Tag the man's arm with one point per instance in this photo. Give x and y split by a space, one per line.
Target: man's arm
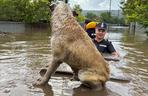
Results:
112 50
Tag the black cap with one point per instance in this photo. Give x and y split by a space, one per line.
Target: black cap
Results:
102 26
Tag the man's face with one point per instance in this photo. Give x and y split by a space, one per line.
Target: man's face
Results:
100 33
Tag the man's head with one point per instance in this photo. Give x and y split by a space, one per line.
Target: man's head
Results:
101 30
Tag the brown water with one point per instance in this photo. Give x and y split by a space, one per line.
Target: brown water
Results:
23 54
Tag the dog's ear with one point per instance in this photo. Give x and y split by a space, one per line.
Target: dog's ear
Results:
75 14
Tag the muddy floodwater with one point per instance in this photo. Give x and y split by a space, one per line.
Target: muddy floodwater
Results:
23 54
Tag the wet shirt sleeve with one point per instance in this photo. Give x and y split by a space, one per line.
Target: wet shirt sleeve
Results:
110 47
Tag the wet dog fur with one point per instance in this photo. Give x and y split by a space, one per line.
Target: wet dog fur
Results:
71 44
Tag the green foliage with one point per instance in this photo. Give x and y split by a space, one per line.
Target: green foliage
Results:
29 11
105 17
108 18
136 11
37 11
80 17
93 17
77 8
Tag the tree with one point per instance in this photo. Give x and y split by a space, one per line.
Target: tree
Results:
105 16
108 18
37 11
78 9
136 11
92 16
28 11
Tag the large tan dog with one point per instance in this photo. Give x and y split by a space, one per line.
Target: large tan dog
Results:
71 44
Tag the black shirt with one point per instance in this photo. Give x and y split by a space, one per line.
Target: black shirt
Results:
104 46
91 32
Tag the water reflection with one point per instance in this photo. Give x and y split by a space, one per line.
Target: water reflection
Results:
79 91
82 91
47 89
23 54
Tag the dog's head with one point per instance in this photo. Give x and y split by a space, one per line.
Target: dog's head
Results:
53 4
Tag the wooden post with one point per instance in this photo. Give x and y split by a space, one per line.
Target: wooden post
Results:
132 27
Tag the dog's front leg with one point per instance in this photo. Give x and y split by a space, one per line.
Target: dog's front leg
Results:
50 70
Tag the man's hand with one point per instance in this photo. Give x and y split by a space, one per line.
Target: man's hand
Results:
115 54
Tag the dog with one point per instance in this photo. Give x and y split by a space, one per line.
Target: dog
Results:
71 44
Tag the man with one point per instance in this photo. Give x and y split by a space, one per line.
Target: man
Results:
104 46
